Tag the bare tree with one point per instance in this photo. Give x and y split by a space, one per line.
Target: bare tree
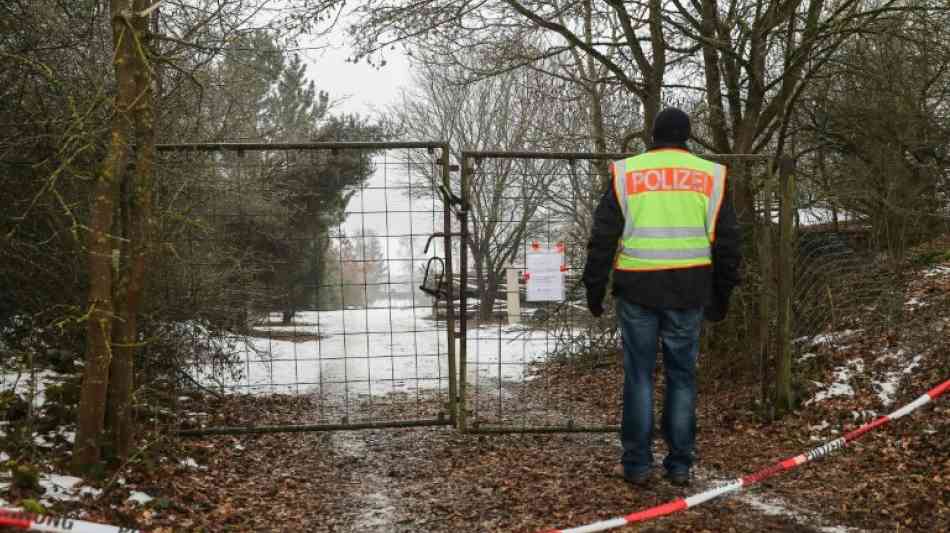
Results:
498 113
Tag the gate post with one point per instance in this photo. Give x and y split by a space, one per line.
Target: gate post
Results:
449 311
763 245
785 270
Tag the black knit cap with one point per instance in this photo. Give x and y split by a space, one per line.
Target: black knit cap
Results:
671 127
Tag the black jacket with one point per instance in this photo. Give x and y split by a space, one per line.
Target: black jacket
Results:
683 288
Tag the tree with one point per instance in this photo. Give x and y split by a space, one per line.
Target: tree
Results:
132 124
363 270
77 157
875 131
499 113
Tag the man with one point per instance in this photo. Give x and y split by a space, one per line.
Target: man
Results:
677 260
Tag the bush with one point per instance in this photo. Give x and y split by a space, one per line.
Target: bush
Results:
26 477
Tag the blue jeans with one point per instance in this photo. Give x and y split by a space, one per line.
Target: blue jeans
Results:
678 331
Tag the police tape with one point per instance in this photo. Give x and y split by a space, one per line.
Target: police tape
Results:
16 519
751 479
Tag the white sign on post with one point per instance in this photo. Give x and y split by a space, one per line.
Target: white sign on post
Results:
544 274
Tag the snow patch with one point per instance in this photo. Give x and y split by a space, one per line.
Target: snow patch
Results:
828 338
374 351
817 429
23 384
938 270
841 386
774 506
65 488
139 498
887 388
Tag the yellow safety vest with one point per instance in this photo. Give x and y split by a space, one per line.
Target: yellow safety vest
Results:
670 200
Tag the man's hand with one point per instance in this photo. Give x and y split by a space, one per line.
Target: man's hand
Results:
595 302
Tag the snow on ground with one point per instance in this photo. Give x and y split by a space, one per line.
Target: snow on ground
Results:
774 506
841 386
818 430
938 270
371 352
139 497
59 488
829 338
25 386
887 388
191 463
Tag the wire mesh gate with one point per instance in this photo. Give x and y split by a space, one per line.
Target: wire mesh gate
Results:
521 361
295 273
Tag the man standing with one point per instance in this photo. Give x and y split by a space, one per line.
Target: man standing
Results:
669 230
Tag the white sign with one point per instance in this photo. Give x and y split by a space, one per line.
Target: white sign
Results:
544 275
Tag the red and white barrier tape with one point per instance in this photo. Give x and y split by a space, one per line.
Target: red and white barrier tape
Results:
16 519
751 479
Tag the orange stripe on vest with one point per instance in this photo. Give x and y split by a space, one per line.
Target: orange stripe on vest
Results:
668 179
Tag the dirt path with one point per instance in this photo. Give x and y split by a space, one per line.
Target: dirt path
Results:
374 502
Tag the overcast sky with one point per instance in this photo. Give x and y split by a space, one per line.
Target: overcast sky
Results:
355 87
368 90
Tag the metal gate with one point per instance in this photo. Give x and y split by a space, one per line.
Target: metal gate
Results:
314 286
291 277
522 363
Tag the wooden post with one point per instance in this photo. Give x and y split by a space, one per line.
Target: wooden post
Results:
784 401
513 293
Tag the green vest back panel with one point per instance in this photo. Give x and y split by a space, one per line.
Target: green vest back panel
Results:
670 201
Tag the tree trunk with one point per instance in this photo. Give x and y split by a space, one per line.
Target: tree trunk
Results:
480 285
489 295
92 403
141 231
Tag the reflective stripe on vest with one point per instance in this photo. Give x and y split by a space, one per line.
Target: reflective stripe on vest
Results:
670 201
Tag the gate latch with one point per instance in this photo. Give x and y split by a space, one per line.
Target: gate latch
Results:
433 282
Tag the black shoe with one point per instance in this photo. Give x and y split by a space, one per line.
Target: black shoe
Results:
642 480
679 479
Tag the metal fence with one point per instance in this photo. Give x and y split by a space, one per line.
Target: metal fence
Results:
290 279
285 293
